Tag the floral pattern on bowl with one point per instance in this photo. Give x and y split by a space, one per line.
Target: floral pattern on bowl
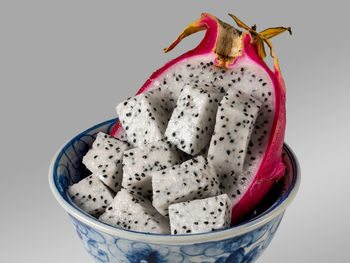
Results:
240 249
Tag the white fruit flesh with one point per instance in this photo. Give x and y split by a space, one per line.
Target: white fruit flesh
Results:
134 213
91 195
145 116
104 159
200 216
193 179
139 163
234 124
192 122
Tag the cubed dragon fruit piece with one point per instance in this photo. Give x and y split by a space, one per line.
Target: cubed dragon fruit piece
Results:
145 116
139 163
235 120
91 195
198 216
132 212
193 179
104 160
192 123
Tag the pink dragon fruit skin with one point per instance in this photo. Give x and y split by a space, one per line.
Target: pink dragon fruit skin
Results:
239 48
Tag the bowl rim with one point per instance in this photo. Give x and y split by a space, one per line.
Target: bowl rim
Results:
223 234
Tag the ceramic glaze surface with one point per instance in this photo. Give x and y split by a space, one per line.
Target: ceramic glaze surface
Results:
106 244
239 249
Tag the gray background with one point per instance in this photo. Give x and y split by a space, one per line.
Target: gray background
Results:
64 65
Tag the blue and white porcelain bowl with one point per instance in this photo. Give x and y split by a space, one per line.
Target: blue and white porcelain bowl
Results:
241 243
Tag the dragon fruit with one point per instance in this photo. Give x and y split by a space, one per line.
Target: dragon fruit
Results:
228 147
146 116
134 213
91 195
192 122
138 164
193 179
227 57
198 216
104 159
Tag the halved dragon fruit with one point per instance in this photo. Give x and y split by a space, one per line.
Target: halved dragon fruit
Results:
227 57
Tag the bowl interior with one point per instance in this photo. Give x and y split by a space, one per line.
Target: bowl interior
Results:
68 169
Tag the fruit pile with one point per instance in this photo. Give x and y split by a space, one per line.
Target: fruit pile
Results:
200 145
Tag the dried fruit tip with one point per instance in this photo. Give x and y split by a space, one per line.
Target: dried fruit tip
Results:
263 36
